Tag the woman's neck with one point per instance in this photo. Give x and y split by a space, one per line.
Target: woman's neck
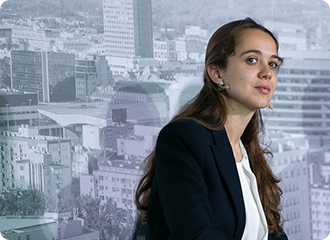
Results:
236 123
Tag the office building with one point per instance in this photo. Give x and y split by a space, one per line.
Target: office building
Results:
302 97
90 73
128 28
17 107
49 74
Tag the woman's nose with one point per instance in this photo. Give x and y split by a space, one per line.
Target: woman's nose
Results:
265 72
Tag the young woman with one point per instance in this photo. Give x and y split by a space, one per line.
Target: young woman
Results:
208 177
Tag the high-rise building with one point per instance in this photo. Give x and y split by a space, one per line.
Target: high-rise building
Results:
50 74
302 97
128 28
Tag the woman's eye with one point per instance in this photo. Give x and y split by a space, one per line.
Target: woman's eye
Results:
251 60
273 65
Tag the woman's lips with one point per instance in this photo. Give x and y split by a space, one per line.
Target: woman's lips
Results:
263 89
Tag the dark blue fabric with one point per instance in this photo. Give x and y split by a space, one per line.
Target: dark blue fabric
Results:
196 192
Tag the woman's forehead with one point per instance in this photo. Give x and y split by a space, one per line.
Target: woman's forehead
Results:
255 39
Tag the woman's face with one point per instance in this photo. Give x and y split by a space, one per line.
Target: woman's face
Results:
251 71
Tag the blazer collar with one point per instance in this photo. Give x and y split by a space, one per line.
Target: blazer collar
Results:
226 165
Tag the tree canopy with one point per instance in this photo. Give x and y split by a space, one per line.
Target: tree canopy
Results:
22 202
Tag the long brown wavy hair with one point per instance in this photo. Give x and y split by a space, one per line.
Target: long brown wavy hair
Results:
208 109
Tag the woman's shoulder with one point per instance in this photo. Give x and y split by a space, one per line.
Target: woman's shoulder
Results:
185 129
185 126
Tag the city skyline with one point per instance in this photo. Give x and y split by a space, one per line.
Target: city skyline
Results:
80 109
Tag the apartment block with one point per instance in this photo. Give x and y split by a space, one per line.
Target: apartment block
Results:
115 179
291 164
38 162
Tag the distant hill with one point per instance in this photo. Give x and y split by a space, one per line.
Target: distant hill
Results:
52 8
209 14
178 14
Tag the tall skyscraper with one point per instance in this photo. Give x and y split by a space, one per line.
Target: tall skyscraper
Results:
128 28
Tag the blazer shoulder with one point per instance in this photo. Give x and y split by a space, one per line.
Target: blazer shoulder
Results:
186 127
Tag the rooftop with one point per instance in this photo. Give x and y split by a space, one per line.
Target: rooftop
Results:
97 113
7 223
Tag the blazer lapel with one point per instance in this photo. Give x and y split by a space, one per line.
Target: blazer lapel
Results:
226 165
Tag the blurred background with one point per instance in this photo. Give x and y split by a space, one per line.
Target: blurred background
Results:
86 86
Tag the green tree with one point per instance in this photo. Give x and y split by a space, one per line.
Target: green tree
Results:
89 210
111 222
139 228
116 223
36 202
22 202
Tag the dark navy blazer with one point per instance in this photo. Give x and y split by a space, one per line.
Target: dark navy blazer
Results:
196 192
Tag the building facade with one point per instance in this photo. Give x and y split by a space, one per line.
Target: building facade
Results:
164 51
320 193
115 179
17 107
302 97
47 73
128 28
43 228
37 162
90 73
291 165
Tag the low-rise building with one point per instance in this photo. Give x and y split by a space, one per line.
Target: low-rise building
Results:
29 228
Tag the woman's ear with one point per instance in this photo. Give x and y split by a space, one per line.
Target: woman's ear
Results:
214 74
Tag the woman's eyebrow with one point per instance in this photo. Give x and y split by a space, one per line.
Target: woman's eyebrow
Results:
260 53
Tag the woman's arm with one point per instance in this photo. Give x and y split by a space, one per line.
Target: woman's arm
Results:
182 190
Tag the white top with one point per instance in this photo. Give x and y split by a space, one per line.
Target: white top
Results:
256 224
